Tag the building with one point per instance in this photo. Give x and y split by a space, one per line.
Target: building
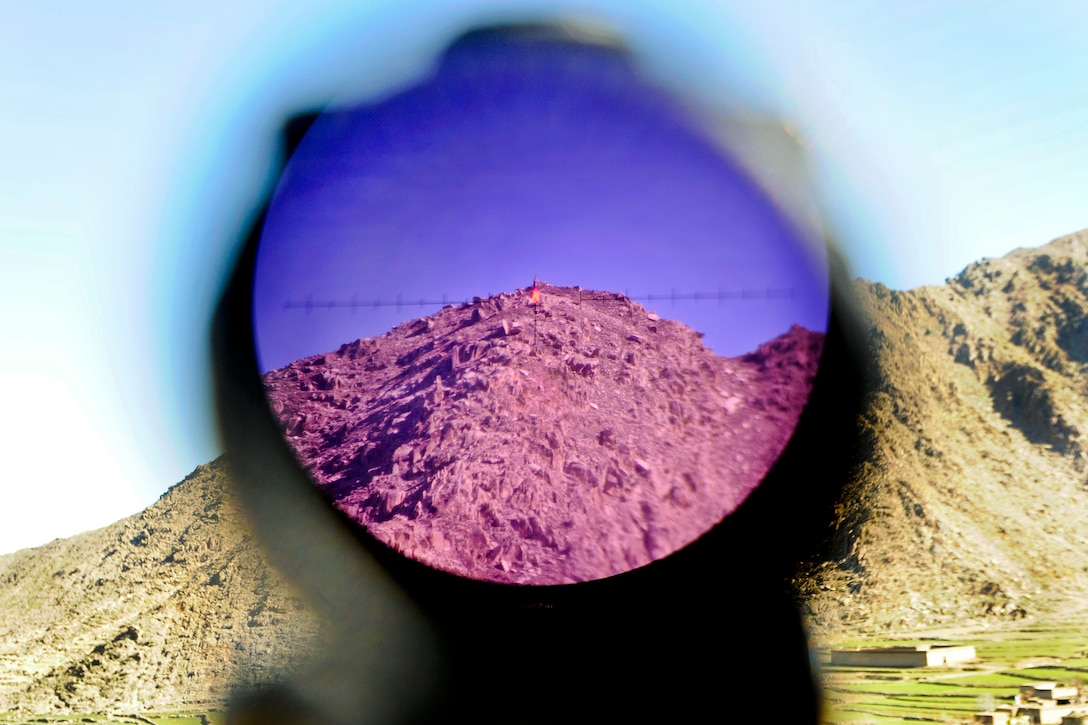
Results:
1002 716
1048 691
1039 703
922 655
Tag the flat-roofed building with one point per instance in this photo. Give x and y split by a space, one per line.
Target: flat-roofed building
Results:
921 655
1047 712
1049 691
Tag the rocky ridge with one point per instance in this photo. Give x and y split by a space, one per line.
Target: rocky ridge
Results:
967 507
541 444
174 607
970 499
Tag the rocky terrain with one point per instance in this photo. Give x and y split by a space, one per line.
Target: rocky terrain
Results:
171 608
543 443
969 505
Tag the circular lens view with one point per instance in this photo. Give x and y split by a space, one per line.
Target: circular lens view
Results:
525 322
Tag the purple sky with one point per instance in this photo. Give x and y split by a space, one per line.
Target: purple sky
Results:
555 162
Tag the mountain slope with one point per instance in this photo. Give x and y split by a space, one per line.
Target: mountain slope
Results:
968 506
172 607
969 503
542 443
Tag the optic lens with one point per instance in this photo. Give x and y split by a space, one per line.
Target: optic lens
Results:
526 322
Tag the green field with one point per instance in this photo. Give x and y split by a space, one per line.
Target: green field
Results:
1006 660
856 695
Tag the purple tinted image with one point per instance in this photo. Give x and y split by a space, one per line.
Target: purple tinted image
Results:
507 439
555 161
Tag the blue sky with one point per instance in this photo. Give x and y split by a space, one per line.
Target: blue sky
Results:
565 165
137 141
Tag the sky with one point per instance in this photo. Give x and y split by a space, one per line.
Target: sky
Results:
139 140
518 160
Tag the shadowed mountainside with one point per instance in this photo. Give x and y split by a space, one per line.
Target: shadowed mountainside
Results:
970 501
173 607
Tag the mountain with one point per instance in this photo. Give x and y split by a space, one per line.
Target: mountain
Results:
542 442
176 607
969 502
171 608
967 506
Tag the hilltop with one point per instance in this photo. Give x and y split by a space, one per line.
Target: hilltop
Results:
969 502
966 508
542 443
177 607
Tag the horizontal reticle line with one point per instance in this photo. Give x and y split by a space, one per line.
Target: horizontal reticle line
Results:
771 293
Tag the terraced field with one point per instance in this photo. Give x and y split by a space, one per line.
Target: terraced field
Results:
1006 660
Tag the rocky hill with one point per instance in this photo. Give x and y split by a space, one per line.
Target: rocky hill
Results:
967 507
171 608
544 442
970 502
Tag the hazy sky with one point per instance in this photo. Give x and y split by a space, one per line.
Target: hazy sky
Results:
137 141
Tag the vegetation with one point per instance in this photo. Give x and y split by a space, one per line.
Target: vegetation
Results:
1007 659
